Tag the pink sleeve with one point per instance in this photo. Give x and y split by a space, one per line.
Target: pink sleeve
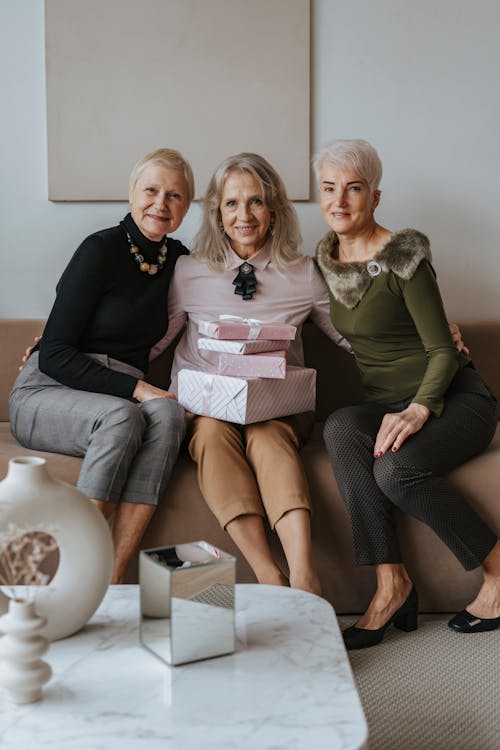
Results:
320 312
176 316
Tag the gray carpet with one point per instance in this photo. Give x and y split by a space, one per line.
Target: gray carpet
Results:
431 689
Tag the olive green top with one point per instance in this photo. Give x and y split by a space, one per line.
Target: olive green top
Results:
394 321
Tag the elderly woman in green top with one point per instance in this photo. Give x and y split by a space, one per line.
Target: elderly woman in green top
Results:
425 411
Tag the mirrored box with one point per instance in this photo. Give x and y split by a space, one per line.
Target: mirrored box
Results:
187 602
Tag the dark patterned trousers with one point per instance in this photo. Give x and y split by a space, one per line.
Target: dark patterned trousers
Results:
413 478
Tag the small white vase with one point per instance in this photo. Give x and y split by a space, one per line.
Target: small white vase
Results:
33 500
22 672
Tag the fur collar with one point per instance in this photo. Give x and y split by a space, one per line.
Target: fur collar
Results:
349 282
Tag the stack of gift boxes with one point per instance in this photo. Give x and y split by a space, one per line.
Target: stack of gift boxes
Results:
253 382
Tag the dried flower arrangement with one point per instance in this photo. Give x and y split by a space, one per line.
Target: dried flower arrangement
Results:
22 555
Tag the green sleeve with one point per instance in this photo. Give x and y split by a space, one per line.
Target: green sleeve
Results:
423 301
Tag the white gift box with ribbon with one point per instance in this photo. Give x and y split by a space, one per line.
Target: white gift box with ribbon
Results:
235 327
247 400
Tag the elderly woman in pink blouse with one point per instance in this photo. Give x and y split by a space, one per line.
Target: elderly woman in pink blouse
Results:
251 472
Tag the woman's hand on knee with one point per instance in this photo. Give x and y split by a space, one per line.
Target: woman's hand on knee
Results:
396 427
29 351
145 392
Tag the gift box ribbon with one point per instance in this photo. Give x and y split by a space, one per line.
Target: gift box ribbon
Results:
206 393
255 325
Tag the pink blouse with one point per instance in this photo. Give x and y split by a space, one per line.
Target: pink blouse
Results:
198 293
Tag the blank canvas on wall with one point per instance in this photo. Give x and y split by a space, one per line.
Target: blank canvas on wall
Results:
208 77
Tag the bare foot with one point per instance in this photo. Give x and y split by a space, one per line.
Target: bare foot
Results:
487 602
273 578
383 606
306 581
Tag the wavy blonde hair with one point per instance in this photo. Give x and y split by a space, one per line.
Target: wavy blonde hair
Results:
211 245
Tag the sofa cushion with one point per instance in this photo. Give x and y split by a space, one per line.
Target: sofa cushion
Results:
65 468
184 516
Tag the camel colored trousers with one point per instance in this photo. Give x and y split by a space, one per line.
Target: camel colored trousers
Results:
251 469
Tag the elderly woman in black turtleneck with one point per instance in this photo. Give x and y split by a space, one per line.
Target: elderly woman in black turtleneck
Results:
83 392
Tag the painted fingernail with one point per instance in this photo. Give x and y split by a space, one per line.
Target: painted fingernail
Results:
394 449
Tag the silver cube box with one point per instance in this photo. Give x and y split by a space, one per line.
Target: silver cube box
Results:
187 602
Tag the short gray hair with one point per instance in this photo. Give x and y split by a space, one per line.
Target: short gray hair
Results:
357 154
168 158
212 247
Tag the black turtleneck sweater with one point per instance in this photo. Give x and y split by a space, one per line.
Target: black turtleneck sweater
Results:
106 305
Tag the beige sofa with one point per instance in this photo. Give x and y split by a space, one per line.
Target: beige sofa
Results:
183 515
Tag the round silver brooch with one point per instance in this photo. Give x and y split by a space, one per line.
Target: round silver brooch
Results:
374 268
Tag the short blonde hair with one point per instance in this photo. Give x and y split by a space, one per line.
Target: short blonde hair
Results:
211 245
357 154
168 158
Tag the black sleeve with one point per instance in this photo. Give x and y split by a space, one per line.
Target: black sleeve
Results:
78 294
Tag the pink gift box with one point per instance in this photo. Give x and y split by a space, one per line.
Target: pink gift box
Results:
244 347
243 400
246 329
253 365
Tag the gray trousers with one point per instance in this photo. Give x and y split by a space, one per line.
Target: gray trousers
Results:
128 449
412 479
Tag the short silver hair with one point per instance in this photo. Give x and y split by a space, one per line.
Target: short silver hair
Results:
357 154
168 158
211 245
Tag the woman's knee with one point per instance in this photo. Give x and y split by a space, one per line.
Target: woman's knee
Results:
165 412
211 429
343 430
208 433
270 435
122 416
339 421
397 480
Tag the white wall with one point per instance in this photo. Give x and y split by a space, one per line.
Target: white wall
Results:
418 80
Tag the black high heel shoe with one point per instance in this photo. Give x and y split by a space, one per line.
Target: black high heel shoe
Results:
404 619
464 622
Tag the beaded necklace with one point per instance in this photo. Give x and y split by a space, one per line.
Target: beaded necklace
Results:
144 266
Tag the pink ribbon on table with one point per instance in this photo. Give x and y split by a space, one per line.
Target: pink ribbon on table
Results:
254 324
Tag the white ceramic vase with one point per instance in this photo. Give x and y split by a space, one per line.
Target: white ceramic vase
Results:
22 671
31 499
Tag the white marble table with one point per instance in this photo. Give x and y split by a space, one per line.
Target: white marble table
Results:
288 685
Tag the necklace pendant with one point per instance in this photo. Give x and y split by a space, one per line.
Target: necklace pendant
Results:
245 282
152 269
